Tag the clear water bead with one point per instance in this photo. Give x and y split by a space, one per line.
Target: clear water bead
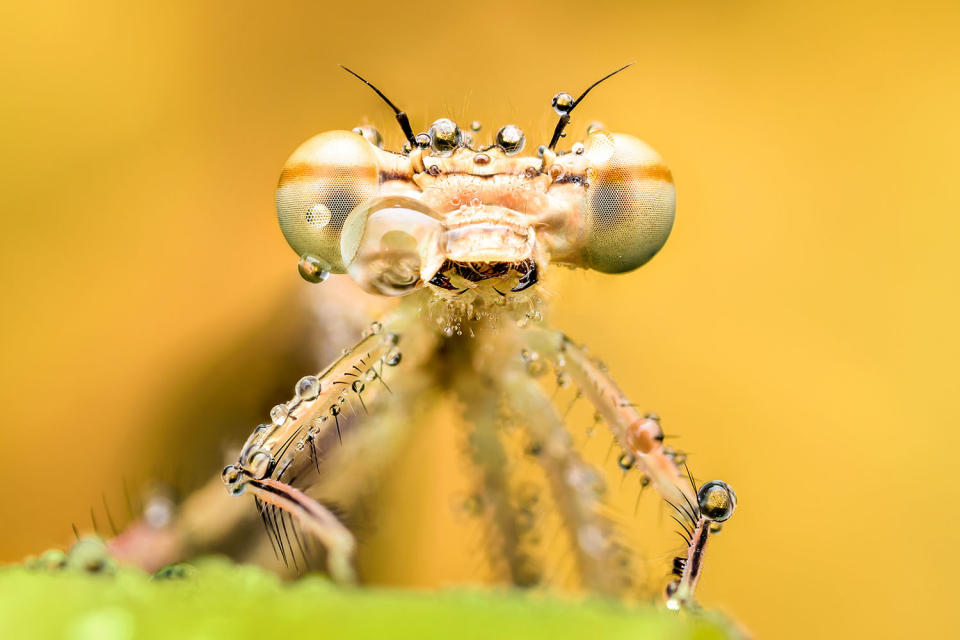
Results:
279 414
308 388
511 139
312 269
445 136
357 386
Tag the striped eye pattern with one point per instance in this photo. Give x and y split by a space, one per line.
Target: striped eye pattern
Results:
323 181
629 205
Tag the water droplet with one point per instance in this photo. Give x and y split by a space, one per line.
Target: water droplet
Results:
279 414
375 327
562 103
392 338
475 126
178 571
448 331
475 202
90 555
308 388
394 359
318 216
625 461
370 134
301 445
52 560
445 136
258 463
594 126
578 148
371 375
434 169
158 512
563 379
531 172
511 139
335 410
357 386
557 172
312 269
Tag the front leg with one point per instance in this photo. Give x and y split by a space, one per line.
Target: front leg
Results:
286 450
638 435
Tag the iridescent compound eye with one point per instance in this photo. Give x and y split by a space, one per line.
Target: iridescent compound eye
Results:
383 244
322 182
629 204
717 501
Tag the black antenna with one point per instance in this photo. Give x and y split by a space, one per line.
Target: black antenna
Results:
401 116
565 117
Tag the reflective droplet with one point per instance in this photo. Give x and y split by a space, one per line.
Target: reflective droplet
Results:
178 571
475 126
357 386
531 172
230 474
371 375
716 527
448 331
375 327
258 463
445 137
278 415
335 410
511 139
406 148
594 126
394 359
370 134
52 560
158 512
90 555
562 103
318 216
312 269
625 461
308 387
717 501
392 338
422 140
557 172
475 202
578 148
434 169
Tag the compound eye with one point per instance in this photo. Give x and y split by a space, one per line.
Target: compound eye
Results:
717 501
384 244
629 205
322 182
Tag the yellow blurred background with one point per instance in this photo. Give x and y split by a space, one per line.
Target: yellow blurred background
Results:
798 330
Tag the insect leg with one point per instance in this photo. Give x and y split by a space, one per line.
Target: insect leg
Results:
283 451
575 485
482 410
640 436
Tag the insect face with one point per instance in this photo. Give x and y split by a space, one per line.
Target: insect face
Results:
473 223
